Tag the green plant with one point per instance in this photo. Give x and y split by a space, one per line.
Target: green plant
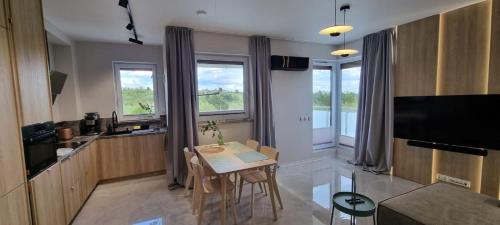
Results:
212 126
146 107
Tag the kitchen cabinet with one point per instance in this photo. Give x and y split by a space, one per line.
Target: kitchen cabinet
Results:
87 170
70 173
46 195
11 158
14 207
93 177
127 156
151 156
30 54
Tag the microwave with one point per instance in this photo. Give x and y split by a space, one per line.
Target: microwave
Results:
40 147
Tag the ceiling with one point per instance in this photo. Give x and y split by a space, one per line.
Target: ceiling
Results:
298 20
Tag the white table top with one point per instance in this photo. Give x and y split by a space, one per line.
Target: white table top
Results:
227 162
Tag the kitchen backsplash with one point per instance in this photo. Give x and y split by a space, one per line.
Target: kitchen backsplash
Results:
153 123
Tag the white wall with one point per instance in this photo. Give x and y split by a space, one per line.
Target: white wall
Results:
66 107
95 72
292 93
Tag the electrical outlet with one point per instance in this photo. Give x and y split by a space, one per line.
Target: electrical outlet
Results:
453 180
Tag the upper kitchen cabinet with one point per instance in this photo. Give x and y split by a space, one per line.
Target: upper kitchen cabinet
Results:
11 159
30 53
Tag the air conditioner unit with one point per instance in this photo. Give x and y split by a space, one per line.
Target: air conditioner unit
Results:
289 63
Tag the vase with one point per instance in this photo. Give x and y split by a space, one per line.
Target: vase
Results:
220 139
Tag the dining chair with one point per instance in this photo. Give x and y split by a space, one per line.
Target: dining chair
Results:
190 176
206 186
258 176
253 144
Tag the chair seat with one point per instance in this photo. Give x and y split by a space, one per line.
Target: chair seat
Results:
214 185
253 176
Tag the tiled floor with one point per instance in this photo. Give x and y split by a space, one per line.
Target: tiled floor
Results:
305 188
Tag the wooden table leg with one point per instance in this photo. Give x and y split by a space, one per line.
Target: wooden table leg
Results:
271 191
223 181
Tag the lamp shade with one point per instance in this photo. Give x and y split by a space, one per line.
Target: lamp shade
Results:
336 30
344 52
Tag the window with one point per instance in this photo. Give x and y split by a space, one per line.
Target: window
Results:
136 92
351 73
322 97
222 87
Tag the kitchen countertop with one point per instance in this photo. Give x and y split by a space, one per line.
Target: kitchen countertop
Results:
103 135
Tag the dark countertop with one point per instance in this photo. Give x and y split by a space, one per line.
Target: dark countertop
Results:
103 135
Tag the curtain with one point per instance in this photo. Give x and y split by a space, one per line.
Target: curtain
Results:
182 100
263 123
373 142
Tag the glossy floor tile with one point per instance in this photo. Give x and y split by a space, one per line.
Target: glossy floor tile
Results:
306 189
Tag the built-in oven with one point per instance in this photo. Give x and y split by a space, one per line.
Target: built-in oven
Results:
40 150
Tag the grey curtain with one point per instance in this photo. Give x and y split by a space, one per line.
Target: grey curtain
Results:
182 100
373 143
263 123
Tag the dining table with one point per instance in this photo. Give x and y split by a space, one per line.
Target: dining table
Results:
233 157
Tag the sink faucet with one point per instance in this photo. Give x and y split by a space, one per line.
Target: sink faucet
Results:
114 120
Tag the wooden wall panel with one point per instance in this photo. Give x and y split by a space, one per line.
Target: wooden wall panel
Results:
463 70
494 77
2 14
490 182
29 47
464 57
415 75
416 57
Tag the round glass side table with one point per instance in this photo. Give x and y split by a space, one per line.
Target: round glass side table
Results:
364 208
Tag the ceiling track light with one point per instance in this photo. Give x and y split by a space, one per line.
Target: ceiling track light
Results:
123 3
130 25
336 30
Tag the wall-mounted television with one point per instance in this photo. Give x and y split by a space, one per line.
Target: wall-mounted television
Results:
461 121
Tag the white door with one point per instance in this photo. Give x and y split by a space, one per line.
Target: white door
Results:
349 95
323 127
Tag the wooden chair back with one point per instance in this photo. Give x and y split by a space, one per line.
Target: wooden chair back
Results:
188 155
253 144
270 152
199 173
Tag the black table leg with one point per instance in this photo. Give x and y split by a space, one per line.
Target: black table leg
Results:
331 217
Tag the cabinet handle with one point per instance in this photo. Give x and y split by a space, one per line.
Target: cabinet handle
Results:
72 188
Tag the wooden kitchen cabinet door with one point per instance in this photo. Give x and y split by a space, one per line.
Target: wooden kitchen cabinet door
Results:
83 172
151 155
71 187
30 53
117 157
11 158
93 177
46 194
14 207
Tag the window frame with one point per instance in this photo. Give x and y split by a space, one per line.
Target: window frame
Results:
117 66
229 114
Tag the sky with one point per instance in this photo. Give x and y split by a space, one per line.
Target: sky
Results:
350 80
136 78
227 77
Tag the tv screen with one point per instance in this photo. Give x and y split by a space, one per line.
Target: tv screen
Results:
467 120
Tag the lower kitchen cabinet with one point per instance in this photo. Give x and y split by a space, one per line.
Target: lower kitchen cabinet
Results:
46 195
127 156
70 173
14 207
